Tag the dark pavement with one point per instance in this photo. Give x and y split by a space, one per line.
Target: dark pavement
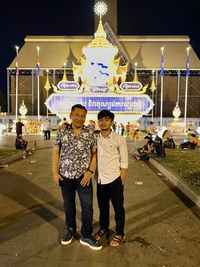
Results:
162 225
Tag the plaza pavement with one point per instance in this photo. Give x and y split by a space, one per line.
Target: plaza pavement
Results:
162 225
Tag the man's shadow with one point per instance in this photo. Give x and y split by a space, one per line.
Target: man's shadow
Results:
33 199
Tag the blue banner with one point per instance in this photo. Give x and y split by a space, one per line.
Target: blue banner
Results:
58 103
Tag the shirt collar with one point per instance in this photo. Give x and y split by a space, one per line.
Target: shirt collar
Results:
84 128
108 136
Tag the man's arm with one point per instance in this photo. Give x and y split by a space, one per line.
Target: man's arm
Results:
123 159
89 173
93 161
55 163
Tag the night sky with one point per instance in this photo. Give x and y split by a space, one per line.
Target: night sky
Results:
21 18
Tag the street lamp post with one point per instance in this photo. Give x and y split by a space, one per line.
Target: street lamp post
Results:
186 84
161 88
16 82
152 88
47 87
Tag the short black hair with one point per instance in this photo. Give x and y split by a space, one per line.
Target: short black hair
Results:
164 133
78 106
106 113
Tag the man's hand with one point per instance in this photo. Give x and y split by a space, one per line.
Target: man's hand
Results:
56 178
86 178
122 175
122 178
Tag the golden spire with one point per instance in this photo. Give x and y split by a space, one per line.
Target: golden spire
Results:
135 78
100 30
100 39
153 86
64 78
47 84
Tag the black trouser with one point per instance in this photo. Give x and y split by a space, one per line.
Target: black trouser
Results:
69 188
114 192
47 135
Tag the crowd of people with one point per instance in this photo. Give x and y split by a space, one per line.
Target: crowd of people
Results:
156 141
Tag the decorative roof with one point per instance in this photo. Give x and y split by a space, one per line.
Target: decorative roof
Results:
145 50
100 39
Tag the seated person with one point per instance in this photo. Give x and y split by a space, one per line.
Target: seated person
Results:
147 149
190 130
159 148
151 129
20 143
137 135
193 140
190 143
168 141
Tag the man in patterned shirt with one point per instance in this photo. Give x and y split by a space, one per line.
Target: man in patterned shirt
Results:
74 161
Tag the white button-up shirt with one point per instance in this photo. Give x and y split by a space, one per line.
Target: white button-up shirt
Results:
111 156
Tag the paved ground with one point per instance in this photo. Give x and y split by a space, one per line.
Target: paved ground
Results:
162 226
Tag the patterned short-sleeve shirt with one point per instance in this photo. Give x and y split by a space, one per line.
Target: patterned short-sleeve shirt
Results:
75 151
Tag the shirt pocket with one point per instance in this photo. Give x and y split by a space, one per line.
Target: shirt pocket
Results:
111 149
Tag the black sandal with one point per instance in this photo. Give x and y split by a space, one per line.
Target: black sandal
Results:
117 240
100 233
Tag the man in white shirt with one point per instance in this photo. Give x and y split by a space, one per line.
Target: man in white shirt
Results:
47 129
112 162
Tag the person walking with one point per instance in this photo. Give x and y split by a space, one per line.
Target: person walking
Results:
112 162
47 129
74 161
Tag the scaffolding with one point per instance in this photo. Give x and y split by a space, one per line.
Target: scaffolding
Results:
172 77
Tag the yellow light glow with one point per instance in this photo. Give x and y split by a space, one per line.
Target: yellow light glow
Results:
188 50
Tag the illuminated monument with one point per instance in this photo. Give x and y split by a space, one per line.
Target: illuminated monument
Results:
99 69
76 54
100 82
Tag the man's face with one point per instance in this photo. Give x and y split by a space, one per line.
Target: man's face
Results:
105 123
78 117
